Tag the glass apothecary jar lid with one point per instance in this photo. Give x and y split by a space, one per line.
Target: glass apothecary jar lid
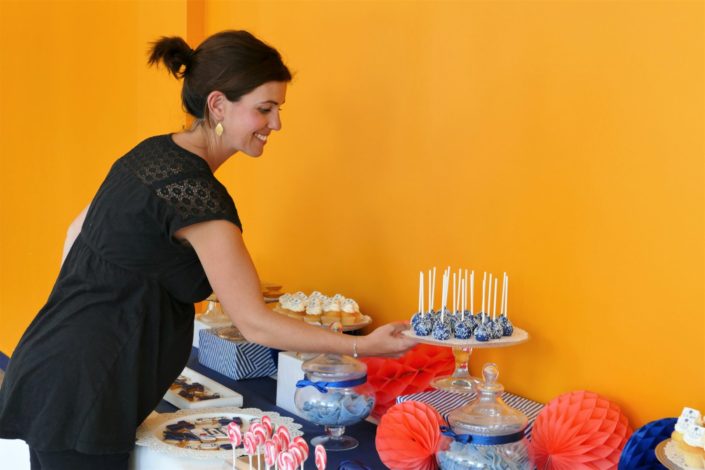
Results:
334 368
488 415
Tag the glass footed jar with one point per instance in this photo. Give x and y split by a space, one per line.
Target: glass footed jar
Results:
486 433
334 394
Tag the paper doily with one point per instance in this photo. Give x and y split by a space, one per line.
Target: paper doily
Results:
150 432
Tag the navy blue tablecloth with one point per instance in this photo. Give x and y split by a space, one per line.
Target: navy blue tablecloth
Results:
261 393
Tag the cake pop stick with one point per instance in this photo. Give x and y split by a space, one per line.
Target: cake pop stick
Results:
506 299
430 307
489 296
455 287
421 292
494 304
484 280
433 290
444 303
472 292
504 289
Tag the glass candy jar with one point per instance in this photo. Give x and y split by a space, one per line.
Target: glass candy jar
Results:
486 433
334 394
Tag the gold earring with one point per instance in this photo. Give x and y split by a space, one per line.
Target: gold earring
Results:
219 129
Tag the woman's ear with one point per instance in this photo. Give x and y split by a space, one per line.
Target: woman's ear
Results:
216 101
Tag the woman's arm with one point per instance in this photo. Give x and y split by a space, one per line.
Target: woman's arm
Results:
232 275
72 232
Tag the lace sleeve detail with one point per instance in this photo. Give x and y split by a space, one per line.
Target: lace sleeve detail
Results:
196 199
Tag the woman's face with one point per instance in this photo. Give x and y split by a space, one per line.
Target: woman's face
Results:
248 122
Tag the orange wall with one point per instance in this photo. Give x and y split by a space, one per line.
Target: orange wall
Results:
75 93
560 142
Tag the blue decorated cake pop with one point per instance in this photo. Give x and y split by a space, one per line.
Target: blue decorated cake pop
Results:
463 329
507 327
441 331
497 329
482 333
423 327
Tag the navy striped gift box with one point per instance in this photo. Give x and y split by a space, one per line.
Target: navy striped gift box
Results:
237 360
445 402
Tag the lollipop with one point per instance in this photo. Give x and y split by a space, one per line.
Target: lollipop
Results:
301 443
235 436
284 437
321 457
270 453
259 430
267 423
249 442
298 455
286 461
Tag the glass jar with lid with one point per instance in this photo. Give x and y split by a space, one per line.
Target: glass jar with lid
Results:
486 433
334 394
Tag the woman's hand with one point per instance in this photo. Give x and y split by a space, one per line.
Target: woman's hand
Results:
387 341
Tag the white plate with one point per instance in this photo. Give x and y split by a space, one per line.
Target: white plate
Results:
151 432
227 396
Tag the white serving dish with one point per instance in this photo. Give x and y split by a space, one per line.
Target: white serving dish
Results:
151 432
227 397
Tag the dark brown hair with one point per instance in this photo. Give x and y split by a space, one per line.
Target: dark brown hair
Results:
233 62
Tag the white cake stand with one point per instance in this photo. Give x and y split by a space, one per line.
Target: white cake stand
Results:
461 381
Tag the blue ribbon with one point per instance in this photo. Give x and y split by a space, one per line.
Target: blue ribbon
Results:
323 386
482 440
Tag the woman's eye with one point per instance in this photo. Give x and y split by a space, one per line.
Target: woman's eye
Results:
265 110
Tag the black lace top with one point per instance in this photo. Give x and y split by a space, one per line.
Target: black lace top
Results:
117 327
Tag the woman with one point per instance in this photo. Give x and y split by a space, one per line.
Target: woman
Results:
160 234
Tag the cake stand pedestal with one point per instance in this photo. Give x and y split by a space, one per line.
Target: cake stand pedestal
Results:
461 381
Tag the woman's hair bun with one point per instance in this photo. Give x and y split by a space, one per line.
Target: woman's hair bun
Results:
173 52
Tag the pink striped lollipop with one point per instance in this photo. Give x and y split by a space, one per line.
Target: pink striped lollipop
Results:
298 455
286 461
267 423
321 457
260 433
249 442
234 434
277 441
302 445
284 436
270 453
235 437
